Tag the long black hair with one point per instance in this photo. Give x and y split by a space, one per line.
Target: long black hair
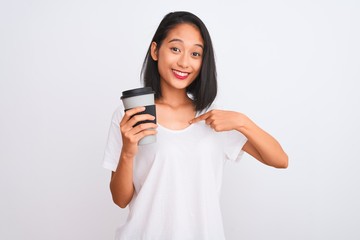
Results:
204 88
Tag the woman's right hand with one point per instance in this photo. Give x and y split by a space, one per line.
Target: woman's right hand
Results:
131 135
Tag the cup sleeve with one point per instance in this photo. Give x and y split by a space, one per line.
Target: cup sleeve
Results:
114 141
234 142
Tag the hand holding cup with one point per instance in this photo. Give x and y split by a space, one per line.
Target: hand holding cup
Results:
140 115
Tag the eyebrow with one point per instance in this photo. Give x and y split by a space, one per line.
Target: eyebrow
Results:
179 40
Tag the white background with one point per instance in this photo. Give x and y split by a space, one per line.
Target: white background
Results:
291 66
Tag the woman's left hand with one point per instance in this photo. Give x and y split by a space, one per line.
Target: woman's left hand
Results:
221 120
260 144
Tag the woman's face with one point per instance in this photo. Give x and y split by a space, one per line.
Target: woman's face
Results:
179 56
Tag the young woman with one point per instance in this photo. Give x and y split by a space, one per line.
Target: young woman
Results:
172 186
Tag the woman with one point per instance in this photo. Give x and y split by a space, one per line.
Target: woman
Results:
173 186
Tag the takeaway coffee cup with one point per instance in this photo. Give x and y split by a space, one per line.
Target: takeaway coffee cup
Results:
141 97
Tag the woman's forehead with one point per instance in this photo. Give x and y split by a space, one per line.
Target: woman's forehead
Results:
185 33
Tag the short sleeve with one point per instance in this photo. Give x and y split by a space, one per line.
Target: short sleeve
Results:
234 143
114 141
233 140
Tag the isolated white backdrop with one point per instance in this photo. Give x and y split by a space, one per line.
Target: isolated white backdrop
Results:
292 66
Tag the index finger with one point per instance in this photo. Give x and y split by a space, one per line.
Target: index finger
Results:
200 118
129 113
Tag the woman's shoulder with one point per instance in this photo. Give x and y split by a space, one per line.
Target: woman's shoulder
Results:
213 106
118 113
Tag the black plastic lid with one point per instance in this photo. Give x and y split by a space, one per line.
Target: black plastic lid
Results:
136 92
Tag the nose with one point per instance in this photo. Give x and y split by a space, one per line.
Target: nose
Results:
183 61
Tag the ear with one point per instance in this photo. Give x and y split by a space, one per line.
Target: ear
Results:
154 51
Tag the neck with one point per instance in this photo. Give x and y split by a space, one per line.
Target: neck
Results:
173 97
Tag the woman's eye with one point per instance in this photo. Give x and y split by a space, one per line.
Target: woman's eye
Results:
196 54
175 49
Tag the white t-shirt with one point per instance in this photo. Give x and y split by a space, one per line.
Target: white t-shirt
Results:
177 181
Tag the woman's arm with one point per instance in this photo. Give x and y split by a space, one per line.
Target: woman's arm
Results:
121 184
260 144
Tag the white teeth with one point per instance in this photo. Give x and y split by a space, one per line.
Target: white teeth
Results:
181 73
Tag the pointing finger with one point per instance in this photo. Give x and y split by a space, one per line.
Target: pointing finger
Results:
200 118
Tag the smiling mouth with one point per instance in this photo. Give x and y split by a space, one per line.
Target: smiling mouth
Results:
180 75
